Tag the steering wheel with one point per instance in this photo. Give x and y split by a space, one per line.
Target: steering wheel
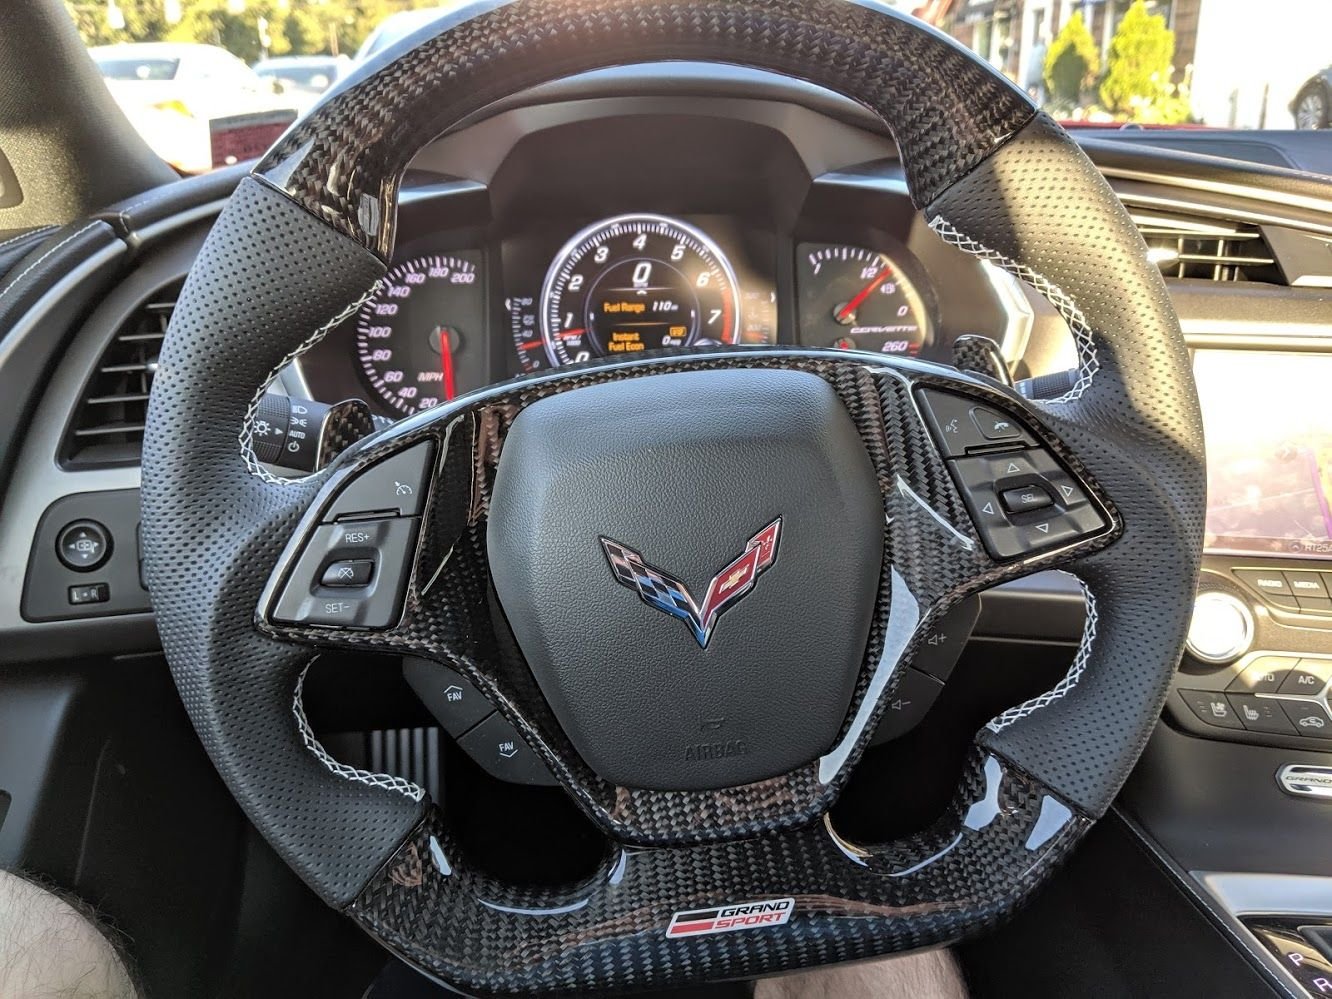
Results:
851 501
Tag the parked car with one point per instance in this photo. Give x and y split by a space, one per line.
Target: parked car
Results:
303 79
398 26
197 106
1310 106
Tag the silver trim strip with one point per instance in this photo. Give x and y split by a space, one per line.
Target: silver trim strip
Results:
1305 780
1269 894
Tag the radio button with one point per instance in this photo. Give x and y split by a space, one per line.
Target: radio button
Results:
1271 584
1264 675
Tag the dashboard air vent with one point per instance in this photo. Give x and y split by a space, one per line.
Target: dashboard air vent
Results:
1207 249
107 426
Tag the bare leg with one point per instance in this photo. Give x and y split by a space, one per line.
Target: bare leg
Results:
49 948
932 974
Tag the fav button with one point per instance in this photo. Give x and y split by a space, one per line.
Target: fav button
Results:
502 753
1212 708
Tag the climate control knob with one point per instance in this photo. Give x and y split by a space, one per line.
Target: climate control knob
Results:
1221 629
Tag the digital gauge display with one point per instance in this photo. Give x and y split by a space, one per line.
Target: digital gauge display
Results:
636 283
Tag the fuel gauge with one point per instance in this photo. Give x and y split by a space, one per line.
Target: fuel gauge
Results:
855 298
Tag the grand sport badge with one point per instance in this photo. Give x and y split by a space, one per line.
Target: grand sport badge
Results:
729 918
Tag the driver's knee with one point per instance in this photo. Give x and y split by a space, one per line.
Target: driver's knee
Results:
49 947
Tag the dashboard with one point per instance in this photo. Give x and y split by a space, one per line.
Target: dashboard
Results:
707 235
701 207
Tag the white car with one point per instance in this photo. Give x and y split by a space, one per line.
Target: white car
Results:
198 106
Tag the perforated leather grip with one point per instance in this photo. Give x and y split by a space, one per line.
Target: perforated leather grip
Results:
281 266
1040 208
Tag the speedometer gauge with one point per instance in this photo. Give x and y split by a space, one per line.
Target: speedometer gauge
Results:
636 283
413 336
858 299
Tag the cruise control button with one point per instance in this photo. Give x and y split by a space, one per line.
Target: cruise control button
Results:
1310 718
388 543
1211 707
1026 498
447 694
502 753
1261 714
348 572
393 487
1307 678
1271 584
999 428
1263 675
83 545
914 695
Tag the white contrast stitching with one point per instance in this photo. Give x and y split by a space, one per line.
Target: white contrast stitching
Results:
27 235
24 273
387 782
1088 364
1070 679
246 438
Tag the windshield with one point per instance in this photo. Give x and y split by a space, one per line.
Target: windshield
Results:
1174 69
114 68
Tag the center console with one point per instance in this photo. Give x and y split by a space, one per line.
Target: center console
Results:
1243 815
1259 661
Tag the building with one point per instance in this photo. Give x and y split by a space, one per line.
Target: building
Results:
1244 61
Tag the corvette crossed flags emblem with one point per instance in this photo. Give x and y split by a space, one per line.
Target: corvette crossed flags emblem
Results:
669 595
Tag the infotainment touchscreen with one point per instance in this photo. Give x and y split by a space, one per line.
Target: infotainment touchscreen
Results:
1268 418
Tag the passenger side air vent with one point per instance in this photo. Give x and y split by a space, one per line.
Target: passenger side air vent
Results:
107 426
1207 249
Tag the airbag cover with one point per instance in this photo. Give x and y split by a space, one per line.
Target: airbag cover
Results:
684 470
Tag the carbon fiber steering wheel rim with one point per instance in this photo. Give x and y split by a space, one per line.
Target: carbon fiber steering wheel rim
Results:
993 177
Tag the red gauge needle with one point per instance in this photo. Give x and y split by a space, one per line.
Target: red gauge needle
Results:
566 334
446 363
848 310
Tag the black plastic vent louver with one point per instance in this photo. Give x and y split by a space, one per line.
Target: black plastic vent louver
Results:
107 427
1207 249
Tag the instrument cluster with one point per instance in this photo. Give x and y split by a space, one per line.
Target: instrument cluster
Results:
442 323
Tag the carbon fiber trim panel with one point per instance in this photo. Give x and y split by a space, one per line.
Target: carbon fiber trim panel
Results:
343 163
933 558
1002 837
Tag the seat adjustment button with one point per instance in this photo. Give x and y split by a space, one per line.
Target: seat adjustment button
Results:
1212 708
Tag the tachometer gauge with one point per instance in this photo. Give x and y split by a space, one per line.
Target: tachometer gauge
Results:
413 334
636 283
857 299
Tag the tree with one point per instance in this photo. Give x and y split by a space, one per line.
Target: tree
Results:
1071 63
301 27
1139 66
